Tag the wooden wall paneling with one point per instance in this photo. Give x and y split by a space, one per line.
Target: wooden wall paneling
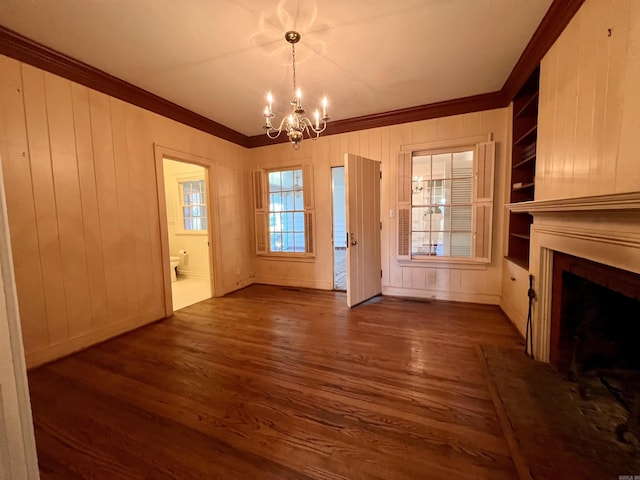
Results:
25 247
143 189
45 203
108 205
125 203
628 173
619 25
586 102
68 200
597 167
89 201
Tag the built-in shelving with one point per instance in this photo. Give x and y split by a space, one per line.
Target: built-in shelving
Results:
523 167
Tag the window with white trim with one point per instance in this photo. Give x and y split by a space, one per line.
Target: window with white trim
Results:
284 213
445 203
193 205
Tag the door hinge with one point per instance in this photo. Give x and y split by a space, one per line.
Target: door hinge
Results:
380 175
380 225
380 273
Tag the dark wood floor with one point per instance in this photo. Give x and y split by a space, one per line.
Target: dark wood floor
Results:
277 383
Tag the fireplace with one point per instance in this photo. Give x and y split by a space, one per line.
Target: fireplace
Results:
595 316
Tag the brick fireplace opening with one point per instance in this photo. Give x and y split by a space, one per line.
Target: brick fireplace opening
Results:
595 316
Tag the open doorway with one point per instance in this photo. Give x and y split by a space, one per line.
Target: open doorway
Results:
339 229
187 198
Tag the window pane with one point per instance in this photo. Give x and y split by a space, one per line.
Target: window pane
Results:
274 222
275 183
275 202
463 164
461 244
288 242
299 242
298 222
440 166
275 242
187 224
299 200
204 223
462 190
287 180
287 222
419 219
297 179
288 201
195 224
420 243
461 219
195 211
186 187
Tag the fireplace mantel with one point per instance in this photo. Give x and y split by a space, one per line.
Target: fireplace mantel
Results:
617 201
601 228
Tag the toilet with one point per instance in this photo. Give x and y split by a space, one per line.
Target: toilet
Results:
174 261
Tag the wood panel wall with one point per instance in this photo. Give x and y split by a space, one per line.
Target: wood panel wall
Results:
84 213
589 111
453 281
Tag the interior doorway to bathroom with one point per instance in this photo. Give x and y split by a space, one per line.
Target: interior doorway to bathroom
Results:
339 229
187 200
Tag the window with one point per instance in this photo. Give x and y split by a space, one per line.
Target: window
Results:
284 214
445 201
441 203
193 198
286 211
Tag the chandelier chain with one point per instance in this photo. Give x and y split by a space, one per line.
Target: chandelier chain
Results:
293 56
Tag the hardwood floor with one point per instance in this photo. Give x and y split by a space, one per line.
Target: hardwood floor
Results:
280 383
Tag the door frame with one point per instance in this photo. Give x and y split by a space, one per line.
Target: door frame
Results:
333 246
213 231
18 456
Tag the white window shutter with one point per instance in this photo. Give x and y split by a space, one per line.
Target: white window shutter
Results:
260 214
309 231
403 214
307 186
404 177
482 227
484 167
484 179
261 232
259 196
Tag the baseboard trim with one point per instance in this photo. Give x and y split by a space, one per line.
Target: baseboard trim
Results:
75 344
483 298
293 282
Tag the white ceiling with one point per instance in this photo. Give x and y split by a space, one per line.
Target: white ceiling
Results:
218 58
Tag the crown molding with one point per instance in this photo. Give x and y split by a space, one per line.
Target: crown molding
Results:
25 50
551 26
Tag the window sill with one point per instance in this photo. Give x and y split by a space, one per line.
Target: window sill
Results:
201 233
446 262
288 257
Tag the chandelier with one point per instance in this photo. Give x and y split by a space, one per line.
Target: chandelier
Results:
295 124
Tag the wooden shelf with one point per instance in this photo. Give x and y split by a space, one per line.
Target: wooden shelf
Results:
524 186
529 108
526 136
523 167
525 161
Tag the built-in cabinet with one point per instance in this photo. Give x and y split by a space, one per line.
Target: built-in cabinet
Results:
523 167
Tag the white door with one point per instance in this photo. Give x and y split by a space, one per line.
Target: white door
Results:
17 443
362 180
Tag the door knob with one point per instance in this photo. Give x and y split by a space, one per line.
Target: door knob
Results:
353 240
